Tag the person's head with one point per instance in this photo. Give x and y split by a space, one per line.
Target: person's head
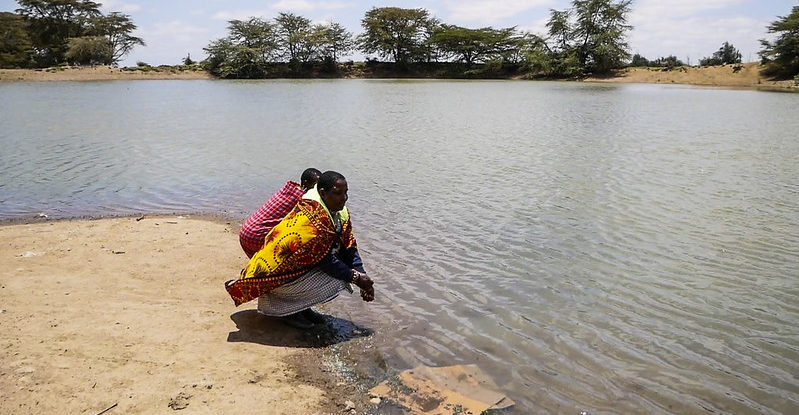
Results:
309 178
333 189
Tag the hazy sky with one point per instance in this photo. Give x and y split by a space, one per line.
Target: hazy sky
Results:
689 29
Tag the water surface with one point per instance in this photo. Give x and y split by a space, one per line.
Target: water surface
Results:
607 248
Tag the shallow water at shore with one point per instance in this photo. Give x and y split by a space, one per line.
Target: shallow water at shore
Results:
607 248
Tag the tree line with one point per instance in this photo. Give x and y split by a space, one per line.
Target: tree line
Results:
45 33
255 46
726 55
589 38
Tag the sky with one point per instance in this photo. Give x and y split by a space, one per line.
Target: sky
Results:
688 29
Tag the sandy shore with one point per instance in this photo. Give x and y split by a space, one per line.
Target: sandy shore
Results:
131 314
747 76
728 76
97 73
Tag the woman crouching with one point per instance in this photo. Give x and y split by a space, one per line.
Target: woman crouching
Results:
307 259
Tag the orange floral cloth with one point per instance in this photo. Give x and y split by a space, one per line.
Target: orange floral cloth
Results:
293 247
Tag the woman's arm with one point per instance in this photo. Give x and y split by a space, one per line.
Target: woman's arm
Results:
353 272
336 268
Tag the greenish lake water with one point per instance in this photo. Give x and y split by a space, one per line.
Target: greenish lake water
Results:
602 248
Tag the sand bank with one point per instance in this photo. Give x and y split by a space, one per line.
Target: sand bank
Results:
97 73
131 314
747 75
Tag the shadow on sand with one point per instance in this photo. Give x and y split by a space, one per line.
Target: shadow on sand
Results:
254 327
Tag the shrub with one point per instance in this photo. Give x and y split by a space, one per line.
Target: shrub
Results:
639 60
89 50
668 63
726 54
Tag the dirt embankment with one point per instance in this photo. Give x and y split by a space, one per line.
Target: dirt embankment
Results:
99 73
747 75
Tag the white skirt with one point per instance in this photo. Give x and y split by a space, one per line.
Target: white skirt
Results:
312 288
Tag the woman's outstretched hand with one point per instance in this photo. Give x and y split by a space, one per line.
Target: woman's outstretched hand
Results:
362 281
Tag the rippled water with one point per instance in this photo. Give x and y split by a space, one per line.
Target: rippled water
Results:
601 248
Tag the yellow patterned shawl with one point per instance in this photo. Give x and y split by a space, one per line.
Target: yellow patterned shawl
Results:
294 246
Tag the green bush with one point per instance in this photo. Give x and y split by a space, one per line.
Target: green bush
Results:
493 67
781 56
796 80
89 50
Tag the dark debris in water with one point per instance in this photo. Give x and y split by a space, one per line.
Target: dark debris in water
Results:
337 330
254 327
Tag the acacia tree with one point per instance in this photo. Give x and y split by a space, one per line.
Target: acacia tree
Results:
255 47
15 43
246 52
319 42
600 31
295 37
781 56
336 41
51 23
519 45
89 50
398 34
117 28
537 57
559 29
472 45
73 30
555 56
588 38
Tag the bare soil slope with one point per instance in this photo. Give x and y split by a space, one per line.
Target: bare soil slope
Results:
737 76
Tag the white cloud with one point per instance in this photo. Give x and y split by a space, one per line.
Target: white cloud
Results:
169 42
307 6
177 31
119 6
692 30
239 14
488 12
670 9
537 27
295 6
697 37
325 19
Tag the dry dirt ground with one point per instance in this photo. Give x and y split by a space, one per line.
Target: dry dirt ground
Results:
97 73
747 75
131 314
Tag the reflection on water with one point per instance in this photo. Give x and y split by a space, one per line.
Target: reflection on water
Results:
614 249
